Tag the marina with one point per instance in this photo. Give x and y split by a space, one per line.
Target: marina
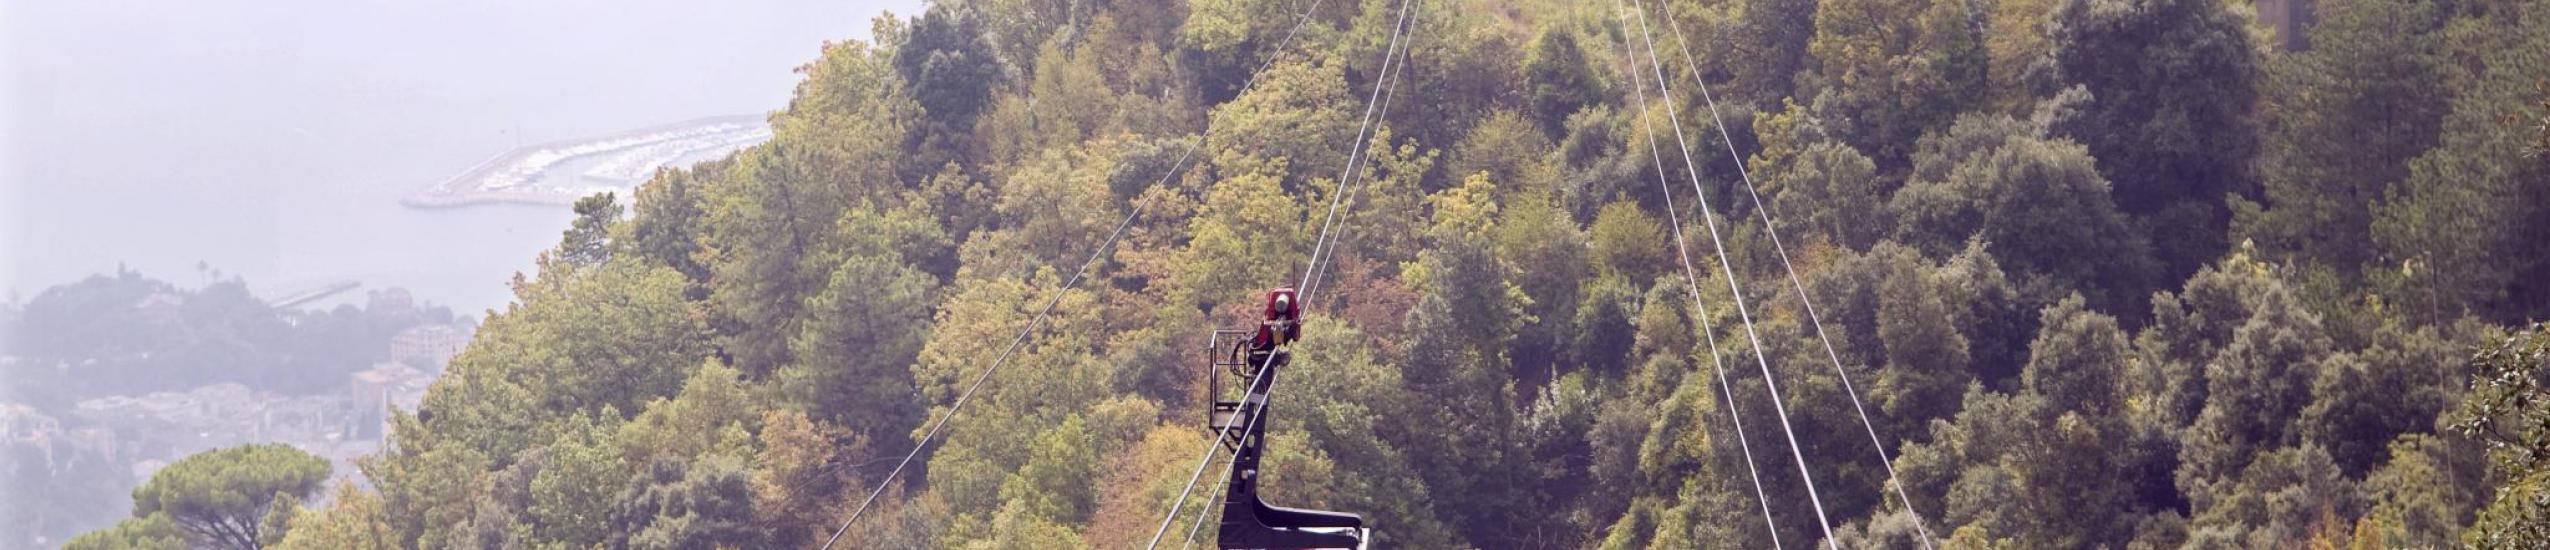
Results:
560 172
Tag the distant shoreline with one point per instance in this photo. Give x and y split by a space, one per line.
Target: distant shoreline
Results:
471 187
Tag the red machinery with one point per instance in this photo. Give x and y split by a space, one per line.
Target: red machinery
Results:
1247 521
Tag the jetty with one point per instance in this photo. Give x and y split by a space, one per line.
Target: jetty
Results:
559 172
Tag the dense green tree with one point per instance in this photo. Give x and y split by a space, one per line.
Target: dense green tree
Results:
2186 331
496 517
1379 224
1686 458
1606 327
1466 66
2255 386
2062 442
1547 255
1505 147
1018 28
757 235
1016 528
1988 311
1562 80
854 354
577 341
1553 429
1974 497
1056 207
677 503
153 532
2174 87
2285 497
1667 338
2039 206
2018 53
2365 399
769 216
1589 145
949 65
1224 41
1291 126
960 204
2078 360
2346 117
1134 494
1070 99
795 485
1892 70
278 520
351 520
221 498
2013 465
1628 243
566 499
428 484
2464 231
2504 412
1465 318
1973 135
2424 494
1831 191
710 416
588 240
1928 361
978 320
1770 48
665 225
1056 372
1051 484
1248 234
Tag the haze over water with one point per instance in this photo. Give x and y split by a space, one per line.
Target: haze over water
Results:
271 140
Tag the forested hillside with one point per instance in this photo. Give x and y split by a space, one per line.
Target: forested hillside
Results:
131 334
2097 273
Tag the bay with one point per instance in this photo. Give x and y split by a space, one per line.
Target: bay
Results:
272 140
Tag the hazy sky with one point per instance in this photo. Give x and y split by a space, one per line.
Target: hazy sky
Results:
271 139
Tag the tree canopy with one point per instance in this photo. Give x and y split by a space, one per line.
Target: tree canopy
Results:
2099 273
238 497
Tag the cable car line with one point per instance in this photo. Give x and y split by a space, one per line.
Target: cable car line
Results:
1795 283
1743 313
1691 281
1317 271
1356 155
1323 251
1318 263
1254 393
1046 311
1191 530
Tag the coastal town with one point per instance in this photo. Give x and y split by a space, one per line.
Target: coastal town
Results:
145 432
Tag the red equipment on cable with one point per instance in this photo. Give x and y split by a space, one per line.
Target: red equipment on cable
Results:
1247 521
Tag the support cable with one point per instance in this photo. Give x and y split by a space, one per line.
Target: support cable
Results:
1316 265
1077 275
1744 314
1794 282
1398 32
1199 517
1691 280
1357 153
